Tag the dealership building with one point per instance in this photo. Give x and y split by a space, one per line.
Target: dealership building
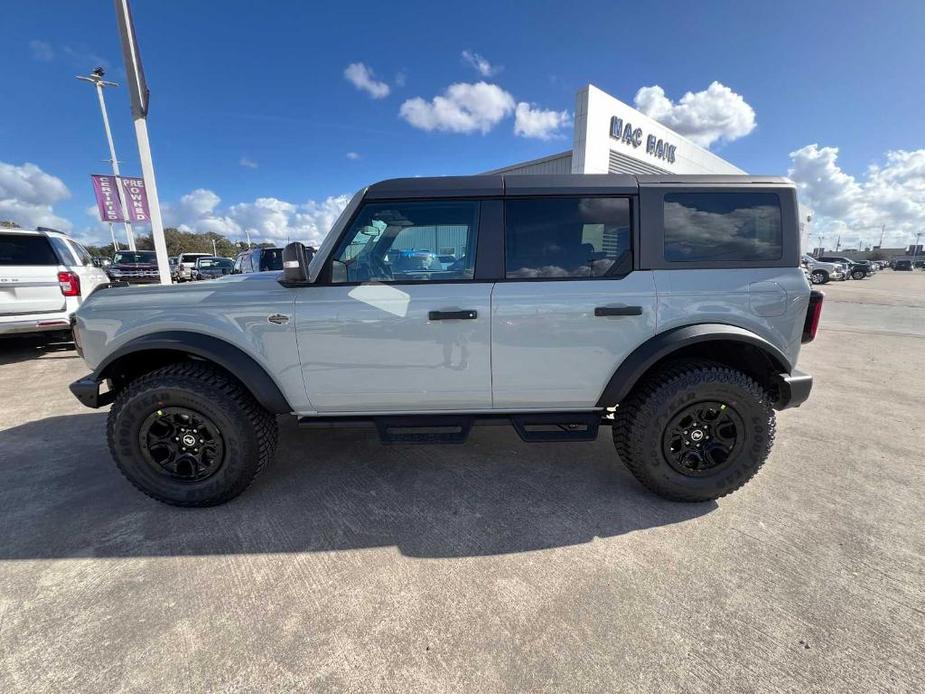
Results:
613 137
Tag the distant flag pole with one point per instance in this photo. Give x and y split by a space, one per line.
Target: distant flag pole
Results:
139 94
115 246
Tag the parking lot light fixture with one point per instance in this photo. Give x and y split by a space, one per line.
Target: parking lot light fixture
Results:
96 78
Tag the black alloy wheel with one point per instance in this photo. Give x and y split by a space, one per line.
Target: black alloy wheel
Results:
181 443
702 438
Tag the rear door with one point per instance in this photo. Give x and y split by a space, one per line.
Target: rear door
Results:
28 275
90 276
570 307
378 334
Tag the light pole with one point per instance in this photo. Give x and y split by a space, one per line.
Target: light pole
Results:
915 248
96 78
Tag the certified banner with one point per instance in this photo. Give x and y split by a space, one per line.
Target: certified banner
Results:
136 200
107 198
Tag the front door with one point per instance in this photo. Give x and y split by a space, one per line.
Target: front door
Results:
398 323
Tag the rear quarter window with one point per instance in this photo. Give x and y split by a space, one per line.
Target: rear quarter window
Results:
26 249
722 227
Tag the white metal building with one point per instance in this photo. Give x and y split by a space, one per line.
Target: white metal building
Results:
613 137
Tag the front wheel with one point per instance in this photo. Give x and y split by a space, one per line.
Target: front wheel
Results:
818 277
858 275
189 435
695 430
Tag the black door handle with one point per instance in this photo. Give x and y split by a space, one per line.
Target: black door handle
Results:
452 315
618 311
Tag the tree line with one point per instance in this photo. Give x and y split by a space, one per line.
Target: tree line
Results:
183 242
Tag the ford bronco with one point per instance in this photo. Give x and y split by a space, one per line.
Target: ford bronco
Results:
671 309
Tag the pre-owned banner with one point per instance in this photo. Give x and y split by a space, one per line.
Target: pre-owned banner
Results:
107 198
136 200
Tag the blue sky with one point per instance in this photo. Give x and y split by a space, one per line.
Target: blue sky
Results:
250 100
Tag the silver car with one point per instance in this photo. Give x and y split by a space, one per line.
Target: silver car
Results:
670 309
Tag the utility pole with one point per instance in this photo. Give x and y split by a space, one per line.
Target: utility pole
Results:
96 78
837 243
882 230
214 252
115 246
915 248
139 98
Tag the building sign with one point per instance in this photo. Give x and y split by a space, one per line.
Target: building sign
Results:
136 200
107 199
627 134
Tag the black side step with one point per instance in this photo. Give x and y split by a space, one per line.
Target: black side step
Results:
557 426
424 429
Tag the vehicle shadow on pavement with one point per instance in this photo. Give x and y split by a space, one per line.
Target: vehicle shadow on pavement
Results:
18 349
62 496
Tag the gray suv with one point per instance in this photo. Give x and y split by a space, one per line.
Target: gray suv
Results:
671 309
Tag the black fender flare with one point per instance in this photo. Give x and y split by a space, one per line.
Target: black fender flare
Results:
226 355
663 344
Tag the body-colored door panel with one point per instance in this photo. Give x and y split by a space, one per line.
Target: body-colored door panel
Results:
374 348
550 350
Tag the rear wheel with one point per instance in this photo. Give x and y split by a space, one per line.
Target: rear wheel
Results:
190 435
818 277
695 430
858 275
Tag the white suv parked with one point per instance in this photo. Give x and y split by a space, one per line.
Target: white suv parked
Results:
44 275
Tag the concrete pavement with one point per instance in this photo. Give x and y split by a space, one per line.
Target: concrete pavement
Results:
492 566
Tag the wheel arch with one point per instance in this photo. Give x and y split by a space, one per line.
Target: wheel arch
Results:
726 344
152 351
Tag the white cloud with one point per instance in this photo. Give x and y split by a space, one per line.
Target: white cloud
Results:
264 219
716 114
27 196
463 108
247 163
353 156
400 79
42 51
84 58
362 78
480 63
532 121
891 194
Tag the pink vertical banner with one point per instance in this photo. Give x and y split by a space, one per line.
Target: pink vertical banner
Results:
107 198
136 200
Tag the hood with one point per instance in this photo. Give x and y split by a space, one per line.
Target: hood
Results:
189 293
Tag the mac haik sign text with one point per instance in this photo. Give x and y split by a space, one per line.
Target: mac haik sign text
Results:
627 134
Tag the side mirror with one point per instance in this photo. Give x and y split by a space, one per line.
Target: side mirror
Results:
295 265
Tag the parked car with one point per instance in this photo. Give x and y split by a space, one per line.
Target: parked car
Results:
560 319
820 272
259 260
185 264
44 276
134 267
902 264
212 268
857 269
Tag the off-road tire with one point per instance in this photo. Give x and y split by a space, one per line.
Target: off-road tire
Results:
642 419
248 432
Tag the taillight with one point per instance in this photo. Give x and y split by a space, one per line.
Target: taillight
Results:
813 313
69 283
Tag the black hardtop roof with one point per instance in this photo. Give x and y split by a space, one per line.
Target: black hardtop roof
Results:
541 184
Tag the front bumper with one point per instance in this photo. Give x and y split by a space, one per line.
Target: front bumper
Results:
87 390
793 389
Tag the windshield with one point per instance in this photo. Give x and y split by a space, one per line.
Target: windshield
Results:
135 257
215 262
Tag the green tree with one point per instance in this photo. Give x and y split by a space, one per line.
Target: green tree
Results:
9 224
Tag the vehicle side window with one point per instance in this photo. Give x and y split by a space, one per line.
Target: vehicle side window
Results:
82 255
26 249
63 250
722 226
399 242
567 237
